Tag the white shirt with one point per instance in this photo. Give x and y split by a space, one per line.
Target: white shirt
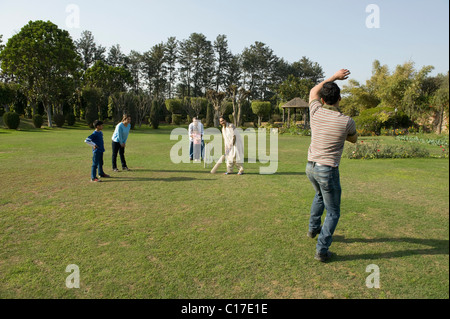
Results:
195 128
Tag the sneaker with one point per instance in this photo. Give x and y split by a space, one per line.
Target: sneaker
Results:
324 257
95 180
226 173
126 169
105 176
116 170
314 233
241 173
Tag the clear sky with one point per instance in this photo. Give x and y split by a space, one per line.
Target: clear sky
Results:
333 33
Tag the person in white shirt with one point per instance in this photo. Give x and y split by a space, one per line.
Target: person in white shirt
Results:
196 143
234 147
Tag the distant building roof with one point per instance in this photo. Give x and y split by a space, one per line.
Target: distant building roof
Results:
296 103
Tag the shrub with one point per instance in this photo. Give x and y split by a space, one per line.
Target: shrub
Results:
276 117
261 108
91 98
416 139
374 119
294 129
209 115
174 106
154 115
372 150
11 120
38 120
176 119
59 120
70 119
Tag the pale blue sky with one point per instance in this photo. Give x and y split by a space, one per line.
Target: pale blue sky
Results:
330 32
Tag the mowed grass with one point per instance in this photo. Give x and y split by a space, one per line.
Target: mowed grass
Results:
169 230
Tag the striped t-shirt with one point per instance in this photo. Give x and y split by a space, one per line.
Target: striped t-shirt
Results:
329 130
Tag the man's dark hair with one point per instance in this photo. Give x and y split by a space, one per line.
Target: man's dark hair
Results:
97 123
330 93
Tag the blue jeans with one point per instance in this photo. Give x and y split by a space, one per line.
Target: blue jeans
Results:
326 183
97 163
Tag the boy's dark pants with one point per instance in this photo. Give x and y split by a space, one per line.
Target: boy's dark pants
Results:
116 148
97 163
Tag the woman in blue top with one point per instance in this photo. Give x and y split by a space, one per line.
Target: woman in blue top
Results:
119 141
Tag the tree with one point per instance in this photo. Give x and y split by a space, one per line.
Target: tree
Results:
42 58
135 66
216 99
295 87
88 50
120 103
174 106
261 109
233 72
196 59
259 66
405 89
91 99
116 58
109 80
223 58
2 46
155 71
307 69
440 99
237 96
171 55
143 107
357 98
7 95
154 114
195 105
415 101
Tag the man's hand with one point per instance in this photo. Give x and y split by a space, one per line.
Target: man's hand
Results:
352 138
341 75
122 145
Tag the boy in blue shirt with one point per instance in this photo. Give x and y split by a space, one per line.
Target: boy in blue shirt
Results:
98 148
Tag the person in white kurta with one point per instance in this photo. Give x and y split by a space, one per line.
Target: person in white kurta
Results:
234 147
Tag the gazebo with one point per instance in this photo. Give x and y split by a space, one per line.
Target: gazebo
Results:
295 104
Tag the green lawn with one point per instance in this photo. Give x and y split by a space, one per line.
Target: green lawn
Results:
175 231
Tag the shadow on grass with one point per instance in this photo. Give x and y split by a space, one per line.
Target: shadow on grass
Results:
436 247
207 171
150 179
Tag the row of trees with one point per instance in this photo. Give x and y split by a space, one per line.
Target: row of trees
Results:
43 68
44 71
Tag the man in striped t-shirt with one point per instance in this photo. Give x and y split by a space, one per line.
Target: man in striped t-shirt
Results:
329 131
